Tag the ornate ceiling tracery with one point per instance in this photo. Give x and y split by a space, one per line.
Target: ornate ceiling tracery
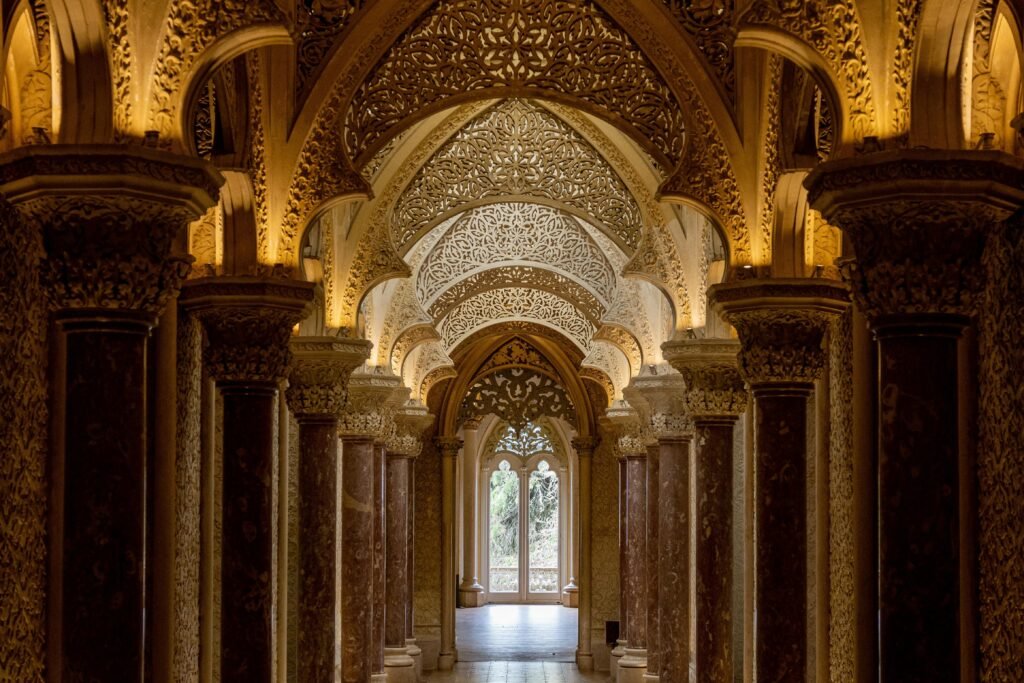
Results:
523 45
518 396
517 149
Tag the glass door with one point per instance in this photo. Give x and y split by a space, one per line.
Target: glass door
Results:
543 533
503 540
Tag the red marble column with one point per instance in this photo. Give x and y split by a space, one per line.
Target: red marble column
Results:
357 558
634 662
919 222
107 217
674 558
412 648
653 553
781 325
248 322
379 560
400 666
620 644
316 395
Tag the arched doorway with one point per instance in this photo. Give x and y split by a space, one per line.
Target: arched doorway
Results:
525 529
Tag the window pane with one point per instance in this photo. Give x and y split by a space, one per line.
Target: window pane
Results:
504 523
543 530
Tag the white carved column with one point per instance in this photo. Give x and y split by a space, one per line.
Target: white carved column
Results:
584 447
471 593
449 446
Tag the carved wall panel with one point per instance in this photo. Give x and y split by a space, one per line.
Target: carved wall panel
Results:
512 303
257 156
117 17
519 352
542 45
497 233
711 26
318 24
23 439
517 396
190 28
770 163
36 93
517 148
834 30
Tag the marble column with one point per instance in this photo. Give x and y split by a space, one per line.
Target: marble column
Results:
107 217
316 395
248 323
619 650
411 646
919 222
782 325
379 675
450 447
714 397
584 447
658 394
362 425
633 664
471 593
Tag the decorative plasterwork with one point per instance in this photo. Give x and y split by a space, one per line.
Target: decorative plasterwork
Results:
517 352
517 396
191 27
122 62
522 45
497 233
517 149
988 97
514 303
518 276
404 312
624 341
432 365
257 156
408 340
770 163
711 26
535 437
36 92
630 313
610 361
318 23
833 29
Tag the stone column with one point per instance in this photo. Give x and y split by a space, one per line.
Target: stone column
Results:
584 447
379 560
471 593
316 395
361 426
450 447
714 397
919 221
571 590
782 325
248 323
413 420
658 394
633 664
619 650
107 216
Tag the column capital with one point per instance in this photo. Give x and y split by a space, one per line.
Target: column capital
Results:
918 221
781 325
659 397
318 382
108 215
584 445
449 445
714 389
370 408
248 322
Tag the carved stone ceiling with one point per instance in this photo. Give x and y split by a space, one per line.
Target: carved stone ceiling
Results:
517 149
544 46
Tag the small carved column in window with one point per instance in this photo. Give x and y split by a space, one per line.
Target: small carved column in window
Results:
715 397
248 323
782 325
920 221
108 217
316 395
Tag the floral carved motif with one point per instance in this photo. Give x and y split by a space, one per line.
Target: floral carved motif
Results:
318 24
318 382
517 352
517 149
517 396
713 386
538 45
711 26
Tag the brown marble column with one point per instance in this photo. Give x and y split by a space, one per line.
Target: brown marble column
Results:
248 323
619 650
715 397
411 647
584 447
781 324
633 664
362 426
674 556
399 665
379 561
919 221
653 551
107 217
316 395
450 447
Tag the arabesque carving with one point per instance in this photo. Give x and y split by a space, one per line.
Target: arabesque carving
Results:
36 97
517 396
371 405
517 149
318 382
714 388
520 353
524 442
514 232
624 341
711 26
318 23
537 45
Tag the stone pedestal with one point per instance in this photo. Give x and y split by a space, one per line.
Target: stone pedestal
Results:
450 447
248 323
584 447
715 397
316 395
919 221
781 325
107 216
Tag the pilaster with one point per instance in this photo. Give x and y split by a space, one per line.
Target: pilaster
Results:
584 447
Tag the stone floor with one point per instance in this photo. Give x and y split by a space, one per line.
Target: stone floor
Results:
514 672
517 633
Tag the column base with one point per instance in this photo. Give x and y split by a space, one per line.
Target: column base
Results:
651 678
379 678
446 661
414 651
399 666
632 666
571 596
584 662
471 595
617 653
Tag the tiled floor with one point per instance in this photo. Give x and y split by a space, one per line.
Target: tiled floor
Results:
514 672
516 633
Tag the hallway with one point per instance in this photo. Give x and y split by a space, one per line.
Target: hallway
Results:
496 634
514 672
